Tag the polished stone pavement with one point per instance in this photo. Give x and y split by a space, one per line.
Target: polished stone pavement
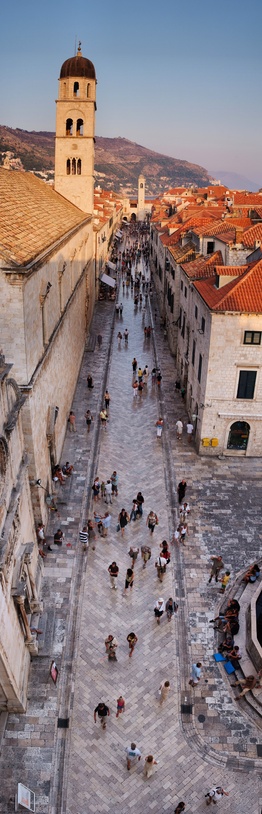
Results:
80 767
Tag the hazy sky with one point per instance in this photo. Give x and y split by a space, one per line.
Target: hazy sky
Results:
182 78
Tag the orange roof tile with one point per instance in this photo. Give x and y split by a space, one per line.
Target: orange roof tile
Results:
252 235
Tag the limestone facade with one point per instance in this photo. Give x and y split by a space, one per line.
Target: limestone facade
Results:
20 566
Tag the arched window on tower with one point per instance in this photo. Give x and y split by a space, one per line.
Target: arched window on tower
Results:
80 127
79 166
88 90
68 166
141 186
73 166
76 88
69 127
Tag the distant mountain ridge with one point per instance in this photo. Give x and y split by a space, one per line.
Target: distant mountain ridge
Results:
118 162
234 181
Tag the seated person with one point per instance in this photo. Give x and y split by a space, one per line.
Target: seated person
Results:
67 469
252 574
234 656
58 537
58 474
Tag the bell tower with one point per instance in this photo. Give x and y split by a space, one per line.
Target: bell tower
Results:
141 198
75 131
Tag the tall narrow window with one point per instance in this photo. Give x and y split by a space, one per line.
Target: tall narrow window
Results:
68 166
76 88
79 166
73 166
193 352
199 368
79 127
203 324
69 127
246 384
88 90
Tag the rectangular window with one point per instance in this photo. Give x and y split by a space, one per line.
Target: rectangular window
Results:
203 324
196 312
193 352
210 246
199 368
183 326
181 285
252 338
185 292
246 384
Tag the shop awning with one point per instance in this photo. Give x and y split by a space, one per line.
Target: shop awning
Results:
111 266
118 233
108 280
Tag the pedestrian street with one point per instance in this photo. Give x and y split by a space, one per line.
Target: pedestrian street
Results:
95 776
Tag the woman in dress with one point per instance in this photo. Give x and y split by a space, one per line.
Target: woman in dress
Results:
123 519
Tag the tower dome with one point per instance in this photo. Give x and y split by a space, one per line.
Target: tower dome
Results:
78 66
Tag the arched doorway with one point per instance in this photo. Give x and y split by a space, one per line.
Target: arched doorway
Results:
238 435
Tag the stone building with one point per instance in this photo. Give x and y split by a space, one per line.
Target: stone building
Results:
219 355
20 566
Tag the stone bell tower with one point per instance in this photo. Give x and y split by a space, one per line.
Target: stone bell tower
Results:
141 198
75 130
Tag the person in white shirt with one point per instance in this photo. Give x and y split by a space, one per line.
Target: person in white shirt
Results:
108 491
160 565
179 429
189 430
132 755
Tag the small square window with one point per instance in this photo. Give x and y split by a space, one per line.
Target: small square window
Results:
252 338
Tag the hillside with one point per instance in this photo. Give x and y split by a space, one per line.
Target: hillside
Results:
118 162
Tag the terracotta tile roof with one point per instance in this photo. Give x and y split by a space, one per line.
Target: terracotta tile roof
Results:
202 267
249 199
242 294
252 235
179 253
32 216
230 271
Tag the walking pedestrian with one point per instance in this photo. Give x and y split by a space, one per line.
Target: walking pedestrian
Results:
72 422
160 565
99 340
132 755
132 640
103 417
195 674
111 644
89 419
90 382
180 807
135 389
126 333
129 580
164 690
113 571
96 489
133 554
58 537
159 427
171 608
159 608
140 500
83 538
91 532
149 766
183 529
102 711
189 430
140 374
217 565
158 378
224 581
134 365
107 399
146 554
106 523
114 481
184 512
181 490
215 794
179 429
152 521
120 706
108 491
119 338
123 519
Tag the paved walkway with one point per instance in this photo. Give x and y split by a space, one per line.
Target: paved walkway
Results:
85 766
